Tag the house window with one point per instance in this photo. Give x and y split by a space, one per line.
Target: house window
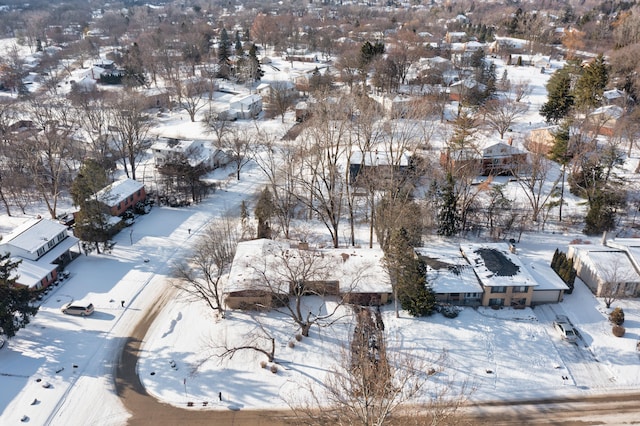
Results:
60 237
51 243
42 250
496 302
499 289
520 289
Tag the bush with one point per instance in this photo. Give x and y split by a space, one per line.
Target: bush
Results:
292 344
618 330
617 316
263 364
298 337
274 368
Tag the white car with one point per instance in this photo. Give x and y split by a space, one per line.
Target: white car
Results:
565 328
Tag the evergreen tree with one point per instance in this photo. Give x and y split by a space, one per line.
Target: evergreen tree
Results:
238 46
560 150
16 309
224 55
256 72
560 97
92 220
448 216
265 210
591 84
600 216
408 276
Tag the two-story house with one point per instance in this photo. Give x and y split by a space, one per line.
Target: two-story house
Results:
44 248
121 195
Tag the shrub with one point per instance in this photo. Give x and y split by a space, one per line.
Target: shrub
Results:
298 337
617 316
618 330
274 368
263 364
292 344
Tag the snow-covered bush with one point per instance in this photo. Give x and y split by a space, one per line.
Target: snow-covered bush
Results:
617 316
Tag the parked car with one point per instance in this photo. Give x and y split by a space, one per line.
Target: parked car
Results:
565 328
78 307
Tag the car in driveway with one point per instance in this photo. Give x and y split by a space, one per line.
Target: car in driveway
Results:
78 307
565 328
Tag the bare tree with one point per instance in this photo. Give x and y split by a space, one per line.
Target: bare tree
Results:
130 124
191 96
200 276
280 163
323 180
281 98
291 275
499 114
521 90
532 176
614 277
369 390
239 147
49 152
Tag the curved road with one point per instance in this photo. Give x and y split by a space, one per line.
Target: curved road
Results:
146 410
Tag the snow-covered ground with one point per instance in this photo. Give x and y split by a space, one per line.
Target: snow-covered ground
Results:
504 355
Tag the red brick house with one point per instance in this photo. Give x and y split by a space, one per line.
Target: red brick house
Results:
121 195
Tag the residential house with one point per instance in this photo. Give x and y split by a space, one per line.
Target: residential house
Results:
121 195
502 275
246 106
542 140
257 279
382 165
455 37
458 160
450 276
195 153
502 158
609 269
615 97
461 88
603 121
44 248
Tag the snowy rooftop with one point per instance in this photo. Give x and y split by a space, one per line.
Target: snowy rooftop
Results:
357 270
30 235
609 263
378 158
448 271
496 266
118 191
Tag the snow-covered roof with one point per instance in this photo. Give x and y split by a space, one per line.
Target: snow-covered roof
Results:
496 266
118 191
546 277
30 234
612 111
260 261
379 158
613 94
448 271
500 149
608 263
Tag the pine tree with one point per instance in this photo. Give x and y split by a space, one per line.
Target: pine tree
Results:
265 210
591 84
560 97
224 55
16 309
238 46
448 216
256 72
560 149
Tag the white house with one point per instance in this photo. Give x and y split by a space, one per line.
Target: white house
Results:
177 151
246 106
43 246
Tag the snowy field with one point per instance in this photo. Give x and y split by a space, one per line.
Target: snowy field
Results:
503 355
